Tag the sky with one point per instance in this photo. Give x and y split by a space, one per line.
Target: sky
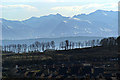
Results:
24 9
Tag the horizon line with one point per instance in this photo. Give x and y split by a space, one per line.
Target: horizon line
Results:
56 14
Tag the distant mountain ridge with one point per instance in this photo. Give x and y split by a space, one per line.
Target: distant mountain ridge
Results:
99 23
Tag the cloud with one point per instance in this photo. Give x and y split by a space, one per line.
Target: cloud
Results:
18 12
54 0
86 8
34 0
43 0
27 7
68 8
38 0
91 1
77 8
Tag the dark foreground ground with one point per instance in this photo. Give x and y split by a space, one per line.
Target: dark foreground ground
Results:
97 63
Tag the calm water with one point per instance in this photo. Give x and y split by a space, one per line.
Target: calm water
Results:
57 40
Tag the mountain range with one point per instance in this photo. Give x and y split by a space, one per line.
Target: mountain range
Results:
100 23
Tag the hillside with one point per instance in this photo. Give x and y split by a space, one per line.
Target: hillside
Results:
100 58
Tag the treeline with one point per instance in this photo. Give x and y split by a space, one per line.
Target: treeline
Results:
41 47
111 41
24 48
64 45
118 42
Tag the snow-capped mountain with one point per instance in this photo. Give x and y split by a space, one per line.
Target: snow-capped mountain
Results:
99 23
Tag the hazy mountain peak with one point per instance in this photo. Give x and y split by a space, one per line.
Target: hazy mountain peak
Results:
98 23
33 17
58 14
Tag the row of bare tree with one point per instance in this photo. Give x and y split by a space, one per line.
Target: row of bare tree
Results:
71 45
40 47
65 45
23 48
